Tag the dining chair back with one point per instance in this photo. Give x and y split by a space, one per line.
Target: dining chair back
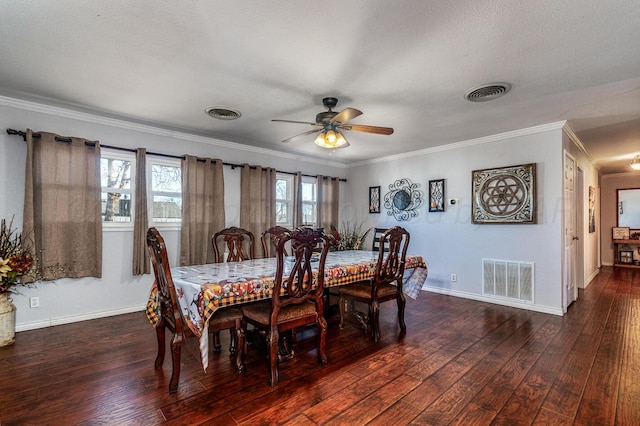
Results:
297 298
170 315
238 242
377 233
385 285
270 238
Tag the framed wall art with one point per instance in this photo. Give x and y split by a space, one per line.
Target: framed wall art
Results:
621 233
504 195
436 195
592 209
403 199
374 199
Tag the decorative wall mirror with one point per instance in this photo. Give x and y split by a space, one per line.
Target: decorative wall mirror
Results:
629 208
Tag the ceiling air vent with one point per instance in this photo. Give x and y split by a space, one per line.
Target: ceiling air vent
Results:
487 92
222 113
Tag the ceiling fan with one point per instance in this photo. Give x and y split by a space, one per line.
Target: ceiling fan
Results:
330 123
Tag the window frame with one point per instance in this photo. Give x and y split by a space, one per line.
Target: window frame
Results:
314 203
109 154
163 161
288 200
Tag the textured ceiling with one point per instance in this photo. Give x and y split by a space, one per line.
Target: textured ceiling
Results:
405 64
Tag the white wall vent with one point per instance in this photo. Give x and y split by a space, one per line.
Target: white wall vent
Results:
507 279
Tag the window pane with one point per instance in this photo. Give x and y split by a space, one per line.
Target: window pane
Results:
308 191
167 209
115 173
309 213
282 190
166 178
282 213
116 207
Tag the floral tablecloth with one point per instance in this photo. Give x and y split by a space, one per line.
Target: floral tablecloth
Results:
203 289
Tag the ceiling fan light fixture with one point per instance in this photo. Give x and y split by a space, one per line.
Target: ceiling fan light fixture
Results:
330 140
635 163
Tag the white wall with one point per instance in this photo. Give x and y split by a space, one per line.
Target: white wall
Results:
69 300
449 241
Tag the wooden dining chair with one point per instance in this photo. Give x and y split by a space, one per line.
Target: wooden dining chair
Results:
170 314
270 238
385 285
297 298
238 241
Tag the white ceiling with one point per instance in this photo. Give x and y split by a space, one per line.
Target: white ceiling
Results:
405 64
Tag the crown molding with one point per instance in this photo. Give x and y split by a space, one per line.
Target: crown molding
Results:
153 130
463 144
630 174
574 138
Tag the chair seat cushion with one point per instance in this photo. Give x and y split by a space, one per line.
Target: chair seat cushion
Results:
261 311
225 315
363 290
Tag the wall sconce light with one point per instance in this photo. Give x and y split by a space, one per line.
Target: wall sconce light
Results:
635 163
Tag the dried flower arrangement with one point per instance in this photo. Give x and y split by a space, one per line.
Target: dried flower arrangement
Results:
349 237
15 257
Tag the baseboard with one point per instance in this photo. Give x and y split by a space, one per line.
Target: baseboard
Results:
591 278
77 318
480 298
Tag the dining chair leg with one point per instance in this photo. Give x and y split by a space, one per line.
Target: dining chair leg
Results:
241 346
272 342
374 310
322 341
342 307
160 334
233 338
217 346
176 347
401 305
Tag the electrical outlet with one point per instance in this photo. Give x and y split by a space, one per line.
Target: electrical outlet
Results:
34 302
454 277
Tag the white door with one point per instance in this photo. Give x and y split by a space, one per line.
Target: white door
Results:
570 290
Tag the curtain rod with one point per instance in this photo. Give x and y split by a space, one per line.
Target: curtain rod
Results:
14 132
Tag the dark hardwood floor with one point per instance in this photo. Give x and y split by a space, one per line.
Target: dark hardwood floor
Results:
461 363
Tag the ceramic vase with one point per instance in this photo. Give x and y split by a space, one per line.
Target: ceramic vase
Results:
7 320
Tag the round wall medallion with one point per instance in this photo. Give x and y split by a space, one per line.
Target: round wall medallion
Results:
403 199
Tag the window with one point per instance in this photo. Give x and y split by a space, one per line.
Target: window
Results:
284 200
309 202
165 194
116 177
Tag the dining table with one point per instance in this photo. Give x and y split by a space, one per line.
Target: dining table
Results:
203 289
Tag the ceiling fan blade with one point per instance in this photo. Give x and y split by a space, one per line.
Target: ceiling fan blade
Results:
297 122
368 129
345 115
301 134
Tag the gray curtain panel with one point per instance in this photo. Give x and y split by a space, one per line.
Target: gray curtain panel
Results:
141 219
297 199
328 198
257 199
202 208
62 207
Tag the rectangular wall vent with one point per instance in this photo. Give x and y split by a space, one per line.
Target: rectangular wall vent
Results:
508 279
